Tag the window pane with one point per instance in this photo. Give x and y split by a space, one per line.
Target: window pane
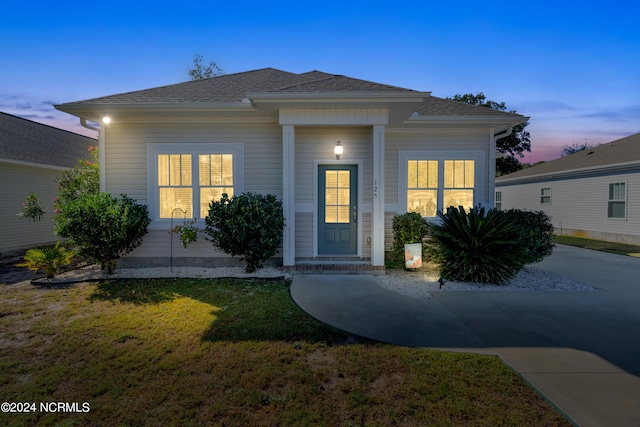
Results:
458 198
330 214
432 166
617 191
163 169
227 169
469 173
172 198
186 169
204 161
616 209
331 178
343 179
343 214
448 173
331 196
423 202
412 177
209 194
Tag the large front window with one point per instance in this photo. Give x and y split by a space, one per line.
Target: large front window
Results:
188 178
436 180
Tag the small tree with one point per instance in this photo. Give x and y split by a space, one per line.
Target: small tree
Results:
83 179
199 71
102 227
249 225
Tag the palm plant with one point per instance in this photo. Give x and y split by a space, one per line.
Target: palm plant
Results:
49 259
478 246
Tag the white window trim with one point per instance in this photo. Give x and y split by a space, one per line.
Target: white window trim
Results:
626 202
195 149
440 155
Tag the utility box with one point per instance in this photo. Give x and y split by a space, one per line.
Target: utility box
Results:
413 255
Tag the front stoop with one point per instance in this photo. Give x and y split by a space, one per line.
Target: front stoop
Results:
319 266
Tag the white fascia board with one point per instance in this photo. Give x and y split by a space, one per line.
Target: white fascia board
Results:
95 112
503 121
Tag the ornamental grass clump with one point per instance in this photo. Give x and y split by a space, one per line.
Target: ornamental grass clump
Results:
50 259
478 246
249 225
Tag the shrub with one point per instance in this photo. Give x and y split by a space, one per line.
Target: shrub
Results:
409 227
478 246
48 259
537 233
32 208
83 179
102 227
249 225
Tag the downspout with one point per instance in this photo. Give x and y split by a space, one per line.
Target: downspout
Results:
101 151
492 163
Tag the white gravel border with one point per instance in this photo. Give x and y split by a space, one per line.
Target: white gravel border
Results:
421 283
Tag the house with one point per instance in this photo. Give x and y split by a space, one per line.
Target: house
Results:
32 156
272 131
592 193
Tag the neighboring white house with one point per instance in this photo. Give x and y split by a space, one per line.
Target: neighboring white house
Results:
592 193
32 156
271 131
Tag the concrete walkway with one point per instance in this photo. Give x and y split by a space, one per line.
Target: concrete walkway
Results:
581 350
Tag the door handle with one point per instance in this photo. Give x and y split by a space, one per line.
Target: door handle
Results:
355 215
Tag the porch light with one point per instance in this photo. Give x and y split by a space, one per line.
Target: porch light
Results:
106 120
338 149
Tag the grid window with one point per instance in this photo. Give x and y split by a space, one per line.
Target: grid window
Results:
545 196
498 203
215 177
174 182
617 205
459 183
422 183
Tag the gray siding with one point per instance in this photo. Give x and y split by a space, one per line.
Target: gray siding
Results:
16 183
579 206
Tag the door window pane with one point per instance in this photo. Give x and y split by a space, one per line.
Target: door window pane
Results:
337 196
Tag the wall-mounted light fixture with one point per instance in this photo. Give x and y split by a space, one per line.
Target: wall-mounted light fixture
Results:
106 120
338 149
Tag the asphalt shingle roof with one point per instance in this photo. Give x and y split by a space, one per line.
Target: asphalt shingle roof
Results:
27 141
235 87
625 150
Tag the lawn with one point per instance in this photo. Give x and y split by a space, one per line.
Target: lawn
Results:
231 352
600 245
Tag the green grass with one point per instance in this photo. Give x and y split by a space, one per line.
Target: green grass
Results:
599 245
231 352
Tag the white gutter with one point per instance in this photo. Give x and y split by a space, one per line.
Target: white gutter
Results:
101 151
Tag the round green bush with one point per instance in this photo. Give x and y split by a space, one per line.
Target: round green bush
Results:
249 225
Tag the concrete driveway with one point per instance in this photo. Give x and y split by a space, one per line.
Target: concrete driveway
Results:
580 349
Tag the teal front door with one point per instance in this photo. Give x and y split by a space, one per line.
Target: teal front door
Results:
337 210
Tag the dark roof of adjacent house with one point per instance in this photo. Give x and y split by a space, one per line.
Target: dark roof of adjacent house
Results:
23 140
235 87
619 153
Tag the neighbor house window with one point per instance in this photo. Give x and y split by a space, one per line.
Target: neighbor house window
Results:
545 196
187 177
617 206
498 203
432 181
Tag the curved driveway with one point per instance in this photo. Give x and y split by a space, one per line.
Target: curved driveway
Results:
581 349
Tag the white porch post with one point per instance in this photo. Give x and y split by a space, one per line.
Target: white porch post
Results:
289 195
377 224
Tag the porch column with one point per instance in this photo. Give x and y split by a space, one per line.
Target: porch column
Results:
289 195
377 223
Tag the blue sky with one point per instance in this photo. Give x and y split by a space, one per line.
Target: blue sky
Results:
573 67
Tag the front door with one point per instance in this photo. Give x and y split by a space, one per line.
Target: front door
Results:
337 210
